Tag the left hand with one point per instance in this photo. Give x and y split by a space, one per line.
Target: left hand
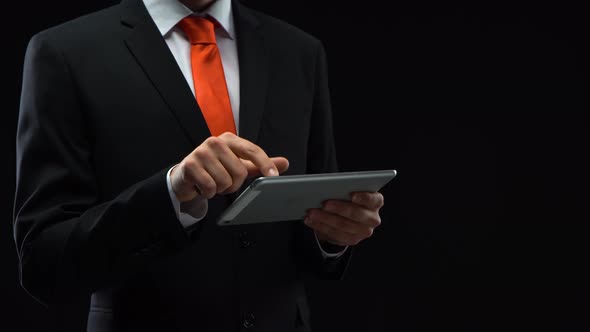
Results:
347 223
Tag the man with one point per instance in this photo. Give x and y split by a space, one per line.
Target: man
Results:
121 171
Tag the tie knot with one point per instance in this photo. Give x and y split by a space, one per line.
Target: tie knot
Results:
199 30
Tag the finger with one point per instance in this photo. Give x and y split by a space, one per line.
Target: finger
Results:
281 163
329 231
370 200
184 189
230 162
343 224
198 177
353 211
220 175
209 161
252 152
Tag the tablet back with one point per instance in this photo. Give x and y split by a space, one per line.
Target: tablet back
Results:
282 198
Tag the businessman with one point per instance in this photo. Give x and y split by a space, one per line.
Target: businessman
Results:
139 124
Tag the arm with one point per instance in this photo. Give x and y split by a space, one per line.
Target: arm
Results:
321 159
69 239
337 223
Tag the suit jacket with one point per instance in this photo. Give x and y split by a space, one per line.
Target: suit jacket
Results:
105 112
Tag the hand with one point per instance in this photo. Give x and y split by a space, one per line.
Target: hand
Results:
346 223
220 165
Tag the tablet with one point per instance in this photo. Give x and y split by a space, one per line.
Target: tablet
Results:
288 197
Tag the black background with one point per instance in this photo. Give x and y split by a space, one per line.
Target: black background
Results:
482 108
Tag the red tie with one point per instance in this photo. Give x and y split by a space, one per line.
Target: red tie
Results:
208 76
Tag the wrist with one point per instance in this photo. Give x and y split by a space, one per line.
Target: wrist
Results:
329 247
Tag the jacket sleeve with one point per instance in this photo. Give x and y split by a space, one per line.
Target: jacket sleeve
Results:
70 240
321 158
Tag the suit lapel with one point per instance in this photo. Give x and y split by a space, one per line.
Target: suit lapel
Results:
253 63
148 47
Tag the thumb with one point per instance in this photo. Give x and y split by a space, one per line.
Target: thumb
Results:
281 163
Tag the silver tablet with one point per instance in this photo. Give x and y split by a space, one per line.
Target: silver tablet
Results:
288 197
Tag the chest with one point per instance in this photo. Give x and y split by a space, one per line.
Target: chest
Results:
143 119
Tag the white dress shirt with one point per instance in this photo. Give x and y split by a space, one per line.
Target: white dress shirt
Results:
166 14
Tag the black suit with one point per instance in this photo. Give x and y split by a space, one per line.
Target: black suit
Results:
105 112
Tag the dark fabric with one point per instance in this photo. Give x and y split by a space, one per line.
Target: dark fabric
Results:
105 112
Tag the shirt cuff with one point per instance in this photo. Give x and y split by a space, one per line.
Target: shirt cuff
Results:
326 254
188 213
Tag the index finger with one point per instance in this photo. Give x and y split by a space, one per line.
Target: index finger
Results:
247 150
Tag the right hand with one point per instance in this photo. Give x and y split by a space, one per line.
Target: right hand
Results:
220 165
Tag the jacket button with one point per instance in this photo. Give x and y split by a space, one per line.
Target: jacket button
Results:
244 241
248 320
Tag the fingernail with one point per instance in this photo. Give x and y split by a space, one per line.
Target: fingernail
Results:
272 172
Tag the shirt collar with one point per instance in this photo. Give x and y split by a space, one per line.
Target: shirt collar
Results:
167 13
